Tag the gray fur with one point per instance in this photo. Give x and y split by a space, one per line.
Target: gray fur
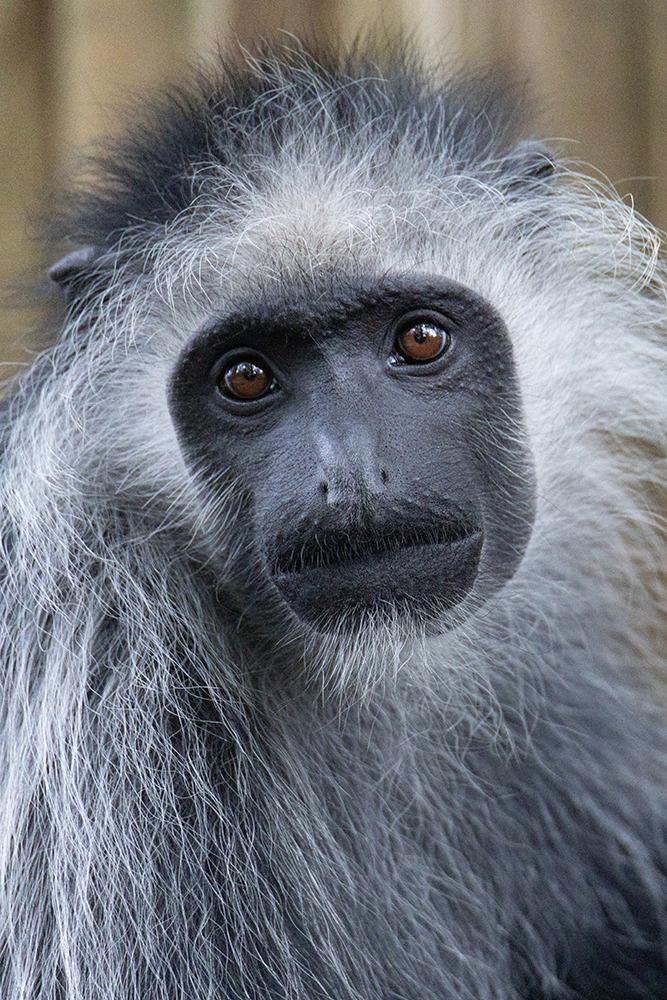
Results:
479 816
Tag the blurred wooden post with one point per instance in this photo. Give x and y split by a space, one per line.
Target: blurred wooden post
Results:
587 60
439 29
105 49
655 56
208 25
25 160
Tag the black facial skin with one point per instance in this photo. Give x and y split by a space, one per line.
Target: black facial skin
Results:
369 479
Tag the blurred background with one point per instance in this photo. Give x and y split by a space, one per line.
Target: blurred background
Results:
596 68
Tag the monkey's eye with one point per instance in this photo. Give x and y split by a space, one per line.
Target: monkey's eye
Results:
247 381
421 341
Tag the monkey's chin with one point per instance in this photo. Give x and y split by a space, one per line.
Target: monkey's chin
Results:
422 582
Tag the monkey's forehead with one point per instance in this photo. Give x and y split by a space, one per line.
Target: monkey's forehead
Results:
314 222
308 222
294 164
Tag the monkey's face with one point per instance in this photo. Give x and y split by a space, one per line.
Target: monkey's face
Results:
374 439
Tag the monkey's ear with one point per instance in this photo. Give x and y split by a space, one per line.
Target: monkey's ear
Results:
529 164
72 267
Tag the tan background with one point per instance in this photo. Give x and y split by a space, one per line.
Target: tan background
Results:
598 67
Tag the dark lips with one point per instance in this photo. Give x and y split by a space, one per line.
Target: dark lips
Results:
422 570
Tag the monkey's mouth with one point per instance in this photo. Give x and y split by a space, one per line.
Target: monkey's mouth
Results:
423 569
339 548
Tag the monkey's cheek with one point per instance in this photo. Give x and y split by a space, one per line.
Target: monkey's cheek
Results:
421 581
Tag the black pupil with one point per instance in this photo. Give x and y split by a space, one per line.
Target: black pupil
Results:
246 381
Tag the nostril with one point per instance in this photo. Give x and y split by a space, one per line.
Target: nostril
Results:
353 486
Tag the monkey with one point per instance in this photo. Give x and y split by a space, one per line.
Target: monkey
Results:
331 559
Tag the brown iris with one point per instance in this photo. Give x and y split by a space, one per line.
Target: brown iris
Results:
246 381
422 341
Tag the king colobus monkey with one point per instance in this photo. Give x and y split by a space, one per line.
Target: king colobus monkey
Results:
331 563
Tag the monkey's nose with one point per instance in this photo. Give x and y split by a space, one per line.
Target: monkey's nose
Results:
355 490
